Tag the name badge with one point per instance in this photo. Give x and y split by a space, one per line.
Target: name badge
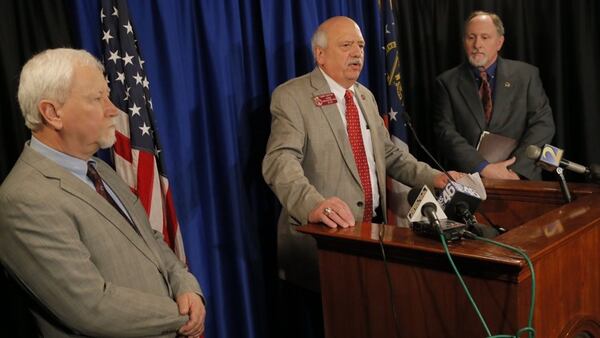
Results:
324 99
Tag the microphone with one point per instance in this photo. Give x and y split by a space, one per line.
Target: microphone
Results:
429 210
417 198
459 201
447 199
427 218
550 157
456 206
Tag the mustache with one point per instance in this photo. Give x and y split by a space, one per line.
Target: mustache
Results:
358 61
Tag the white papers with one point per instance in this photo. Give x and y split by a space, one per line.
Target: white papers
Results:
474 182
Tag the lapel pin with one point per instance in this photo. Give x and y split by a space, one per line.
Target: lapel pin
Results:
506 84
318 101
324 99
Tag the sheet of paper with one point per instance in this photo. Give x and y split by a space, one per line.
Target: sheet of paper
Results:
474 182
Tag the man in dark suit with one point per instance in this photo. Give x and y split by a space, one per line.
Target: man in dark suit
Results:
493 94
71 231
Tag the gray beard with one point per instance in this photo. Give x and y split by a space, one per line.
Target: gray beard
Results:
108 140
482 63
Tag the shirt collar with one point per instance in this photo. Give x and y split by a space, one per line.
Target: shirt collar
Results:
491 70
70 163
335 87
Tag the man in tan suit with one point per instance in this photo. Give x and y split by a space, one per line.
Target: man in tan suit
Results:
95 268
310 162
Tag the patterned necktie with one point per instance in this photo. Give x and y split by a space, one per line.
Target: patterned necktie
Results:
360 157
485 93
93 175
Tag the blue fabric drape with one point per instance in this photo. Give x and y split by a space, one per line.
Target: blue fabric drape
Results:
212 66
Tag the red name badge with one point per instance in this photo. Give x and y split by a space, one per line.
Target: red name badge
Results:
325 99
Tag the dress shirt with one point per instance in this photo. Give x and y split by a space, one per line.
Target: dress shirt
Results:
74 165
491 73
339 93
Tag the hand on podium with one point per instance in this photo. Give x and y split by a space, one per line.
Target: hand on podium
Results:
333 212
499 170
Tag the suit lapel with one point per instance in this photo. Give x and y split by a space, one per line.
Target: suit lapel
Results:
468 89
332 115
503 94
74 186
77 188
128 200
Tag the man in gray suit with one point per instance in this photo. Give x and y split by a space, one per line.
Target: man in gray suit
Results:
92 263
310 159
518 106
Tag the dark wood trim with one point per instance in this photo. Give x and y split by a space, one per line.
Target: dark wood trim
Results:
562 240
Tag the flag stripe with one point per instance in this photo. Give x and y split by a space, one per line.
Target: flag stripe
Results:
145 179
123 147
137 150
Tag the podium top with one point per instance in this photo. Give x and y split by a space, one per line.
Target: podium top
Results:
553 224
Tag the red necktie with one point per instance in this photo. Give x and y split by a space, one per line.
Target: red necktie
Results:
93 175
485 93
360 157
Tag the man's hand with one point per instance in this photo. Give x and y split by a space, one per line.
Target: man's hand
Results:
499 170
333 212
191 304
441 180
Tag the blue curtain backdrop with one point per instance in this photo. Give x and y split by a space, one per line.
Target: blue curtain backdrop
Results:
212 66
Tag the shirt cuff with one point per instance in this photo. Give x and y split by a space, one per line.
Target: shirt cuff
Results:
481 166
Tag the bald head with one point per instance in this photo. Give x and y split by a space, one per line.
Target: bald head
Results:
338 48
320 37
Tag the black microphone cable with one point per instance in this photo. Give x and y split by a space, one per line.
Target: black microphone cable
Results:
389 279
414 133
408 122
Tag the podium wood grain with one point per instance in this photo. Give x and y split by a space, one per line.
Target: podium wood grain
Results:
563 242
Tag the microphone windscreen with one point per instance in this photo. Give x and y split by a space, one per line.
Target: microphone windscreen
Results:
429 205
456 199
533 152
418 197
413 194
548 157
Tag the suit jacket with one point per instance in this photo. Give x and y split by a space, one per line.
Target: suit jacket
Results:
82 260
520 111
309 159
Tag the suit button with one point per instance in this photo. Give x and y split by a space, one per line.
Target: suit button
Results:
360 204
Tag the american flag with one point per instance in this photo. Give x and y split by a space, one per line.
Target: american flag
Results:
394 108
137 150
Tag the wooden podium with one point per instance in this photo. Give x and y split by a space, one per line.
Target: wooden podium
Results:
562 240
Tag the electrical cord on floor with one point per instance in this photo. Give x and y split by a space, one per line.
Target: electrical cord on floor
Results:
389 280
528 328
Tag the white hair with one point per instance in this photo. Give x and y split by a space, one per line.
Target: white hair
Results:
319 39
48 75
